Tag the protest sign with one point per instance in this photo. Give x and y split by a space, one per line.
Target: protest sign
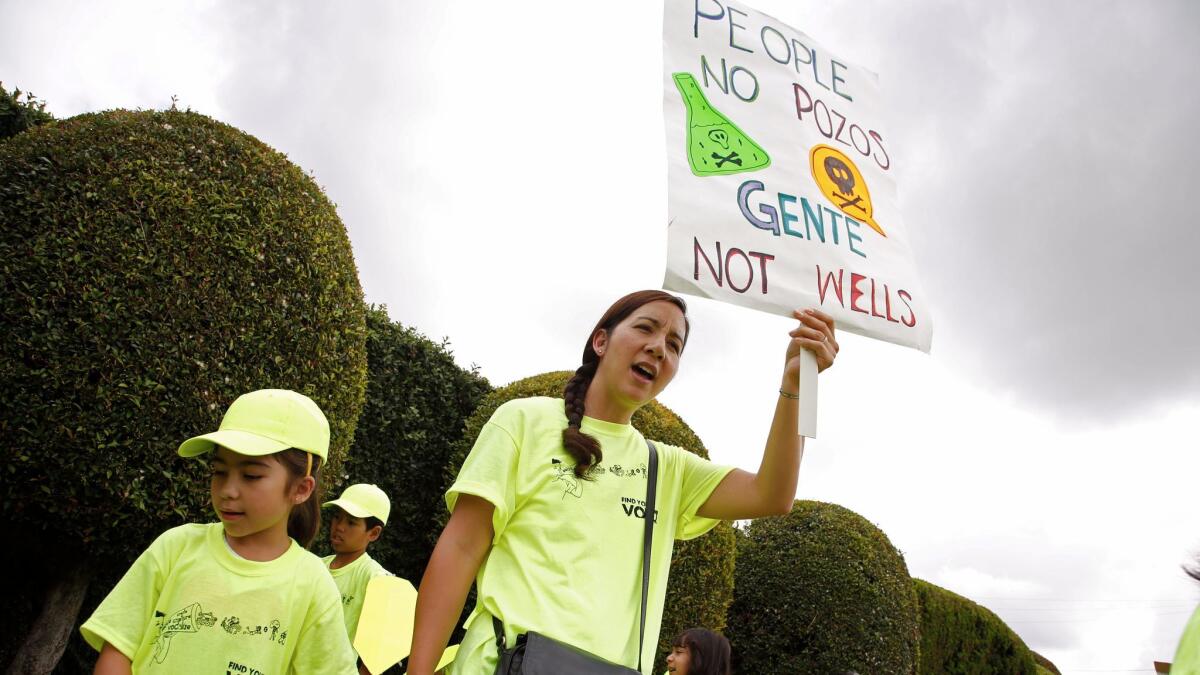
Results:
781 180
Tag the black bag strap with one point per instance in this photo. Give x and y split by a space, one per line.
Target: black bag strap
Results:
651 492
500 641
648 539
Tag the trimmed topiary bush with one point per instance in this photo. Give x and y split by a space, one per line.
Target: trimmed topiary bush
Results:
154 266
1044 664
418 401
701 584
821 591
959 637
17 115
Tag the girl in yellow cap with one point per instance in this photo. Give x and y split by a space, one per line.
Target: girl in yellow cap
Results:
547 512
242 595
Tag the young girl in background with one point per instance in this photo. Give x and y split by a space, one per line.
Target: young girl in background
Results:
544 512
699 652
242 595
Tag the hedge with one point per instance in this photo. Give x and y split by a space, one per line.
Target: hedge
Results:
821 591
959 637
1044 664
17 115
701 581
154 266
418 401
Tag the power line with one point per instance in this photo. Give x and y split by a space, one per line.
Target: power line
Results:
1076 620
1173 608
1066 612
995 597
1152 601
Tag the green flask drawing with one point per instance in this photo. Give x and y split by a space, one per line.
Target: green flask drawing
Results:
715 145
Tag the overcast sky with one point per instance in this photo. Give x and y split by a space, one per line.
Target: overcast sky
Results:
1041 460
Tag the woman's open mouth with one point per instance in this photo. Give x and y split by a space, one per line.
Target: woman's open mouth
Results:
644 373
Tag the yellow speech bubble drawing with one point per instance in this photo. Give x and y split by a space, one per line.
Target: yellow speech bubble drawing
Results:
841 181
385 626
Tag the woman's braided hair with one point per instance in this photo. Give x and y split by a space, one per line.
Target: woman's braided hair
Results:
584 449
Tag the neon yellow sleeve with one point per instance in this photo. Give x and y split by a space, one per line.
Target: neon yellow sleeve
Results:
125 615
324 647
697 478
490 471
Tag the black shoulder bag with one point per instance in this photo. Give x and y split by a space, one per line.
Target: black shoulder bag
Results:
536 654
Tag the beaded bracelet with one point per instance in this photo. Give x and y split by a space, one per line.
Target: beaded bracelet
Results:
795 397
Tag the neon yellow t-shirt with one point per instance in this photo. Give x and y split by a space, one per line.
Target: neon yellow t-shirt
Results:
1187 654
566 558
189 605
351 582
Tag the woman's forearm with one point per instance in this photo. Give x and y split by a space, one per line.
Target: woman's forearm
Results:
779 471
456 558
771 491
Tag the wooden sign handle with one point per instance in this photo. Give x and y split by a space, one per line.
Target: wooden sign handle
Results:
808 394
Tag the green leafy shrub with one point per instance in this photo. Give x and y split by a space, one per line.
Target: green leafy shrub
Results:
17 115
959 637
701 582
154 266
821 591
418 400
1045 666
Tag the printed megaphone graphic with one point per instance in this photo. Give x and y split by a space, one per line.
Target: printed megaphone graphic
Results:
187 620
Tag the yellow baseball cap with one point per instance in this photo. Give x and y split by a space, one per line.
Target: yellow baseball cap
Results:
363 499
265 422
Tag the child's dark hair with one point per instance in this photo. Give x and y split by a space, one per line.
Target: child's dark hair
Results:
305 519
373 522
584 449
709 652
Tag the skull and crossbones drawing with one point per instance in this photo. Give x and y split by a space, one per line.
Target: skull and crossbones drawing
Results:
843 178
721 138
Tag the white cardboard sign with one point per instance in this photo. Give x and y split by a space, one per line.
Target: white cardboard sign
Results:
782 190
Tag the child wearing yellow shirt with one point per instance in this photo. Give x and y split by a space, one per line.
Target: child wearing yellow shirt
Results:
358 519
241 595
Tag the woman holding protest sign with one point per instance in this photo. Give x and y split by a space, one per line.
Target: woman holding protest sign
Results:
548 510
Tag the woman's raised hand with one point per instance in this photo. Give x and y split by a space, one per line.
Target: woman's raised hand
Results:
815 333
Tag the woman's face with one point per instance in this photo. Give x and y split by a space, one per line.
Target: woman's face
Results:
679 660
640 355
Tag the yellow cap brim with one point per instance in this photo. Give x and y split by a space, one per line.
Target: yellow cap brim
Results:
241 442
349 507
